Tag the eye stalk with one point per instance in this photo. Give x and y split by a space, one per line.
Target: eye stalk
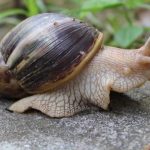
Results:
145 50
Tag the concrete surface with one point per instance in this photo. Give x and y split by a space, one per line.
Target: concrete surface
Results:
126 127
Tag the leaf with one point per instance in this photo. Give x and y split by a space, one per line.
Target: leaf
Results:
133 3
97 5
32 7
42 6
12 12
127 35
9 20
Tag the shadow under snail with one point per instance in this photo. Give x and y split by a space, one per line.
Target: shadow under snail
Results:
58 65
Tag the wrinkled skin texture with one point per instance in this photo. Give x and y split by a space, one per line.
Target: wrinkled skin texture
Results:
111 69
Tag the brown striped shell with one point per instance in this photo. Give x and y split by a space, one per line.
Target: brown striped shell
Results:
49 49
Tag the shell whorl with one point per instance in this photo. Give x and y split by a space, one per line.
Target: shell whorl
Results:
44 50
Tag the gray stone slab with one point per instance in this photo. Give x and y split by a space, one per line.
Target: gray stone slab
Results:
126 127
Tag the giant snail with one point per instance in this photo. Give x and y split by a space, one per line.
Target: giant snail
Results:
59 65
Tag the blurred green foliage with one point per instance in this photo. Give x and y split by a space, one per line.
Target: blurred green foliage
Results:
116 18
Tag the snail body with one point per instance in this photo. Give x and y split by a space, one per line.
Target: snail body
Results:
58 65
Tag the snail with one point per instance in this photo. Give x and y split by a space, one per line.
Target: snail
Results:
58 65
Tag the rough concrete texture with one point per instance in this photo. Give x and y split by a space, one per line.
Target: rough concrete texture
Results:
126 127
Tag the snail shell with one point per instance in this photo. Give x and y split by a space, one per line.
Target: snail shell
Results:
46 50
